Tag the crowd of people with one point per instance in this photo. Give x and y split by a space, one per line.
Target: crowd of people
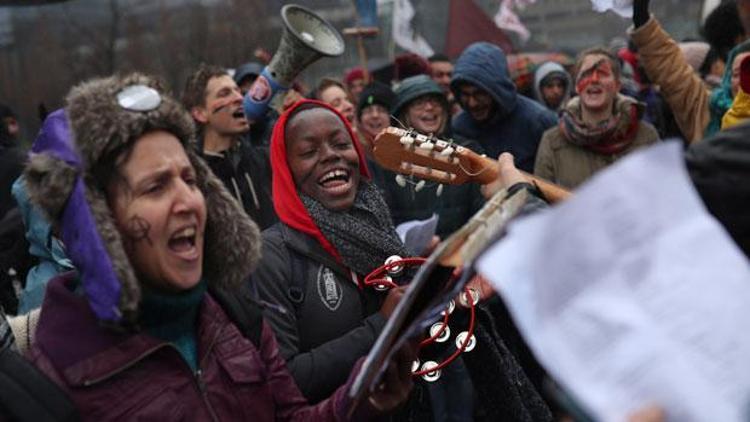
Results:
165 257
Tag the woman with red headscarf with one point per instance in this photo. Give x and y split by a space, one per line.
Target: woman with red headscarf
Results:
335 228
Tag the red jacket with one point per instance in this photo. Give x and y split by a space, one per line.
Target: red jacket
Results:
113 376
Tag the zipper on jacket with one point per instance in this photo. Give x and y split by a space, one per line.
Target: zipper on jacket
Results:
198 377
252 191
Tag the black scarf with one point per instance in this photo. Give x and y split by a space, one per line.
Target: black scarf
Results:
364 235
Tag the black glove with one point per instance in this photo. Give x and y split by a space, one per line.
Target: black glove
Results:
640 12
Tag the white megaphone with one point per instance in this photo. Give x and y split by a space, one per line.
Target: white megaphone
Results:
307 37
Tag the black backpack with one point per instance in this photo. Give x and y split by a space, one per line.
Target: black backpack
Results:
28 395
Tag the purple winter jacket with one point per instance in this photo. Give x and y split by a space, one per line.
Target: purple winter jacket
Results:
113 376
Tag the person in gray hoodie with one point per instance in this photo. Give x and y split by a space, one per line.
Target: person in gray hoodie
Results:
493 113
552 85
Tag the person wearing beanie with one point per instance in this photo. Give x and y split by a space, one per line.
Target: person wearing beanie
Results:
355 82
494 114
698 111
406 65
596 128
420 104
373 113
141 333
552 85
214 101
246 74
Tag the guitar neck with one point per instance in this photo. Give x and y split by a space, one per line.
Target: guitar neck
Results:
487 171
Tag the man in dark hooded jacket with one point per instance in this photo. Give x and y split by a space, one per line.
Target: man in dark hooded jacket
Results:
493 113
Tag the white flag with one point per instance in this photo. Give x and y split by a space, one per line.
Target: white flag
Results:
507 19
403 33
623 8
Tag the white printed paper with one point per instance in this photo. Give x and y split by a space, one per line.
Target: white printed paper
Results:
623 8
417 234
631 294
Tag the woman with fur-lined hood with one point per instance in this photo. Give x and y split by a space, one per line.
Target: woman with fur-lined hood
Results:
141 332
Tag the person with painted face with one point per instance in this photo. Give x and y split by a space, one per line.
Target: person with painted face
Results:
698 111
494 114
145 332
215 102
422 105
334 230
596 128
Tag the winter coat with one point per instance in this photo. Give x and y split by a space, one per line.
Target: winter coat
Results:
740 111
246 173
518 123
44 246
105 373
326 322
569 165
542 72
681 86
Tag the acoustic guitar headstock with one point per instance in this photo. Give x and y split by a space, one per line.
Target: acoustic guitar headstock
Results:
408 152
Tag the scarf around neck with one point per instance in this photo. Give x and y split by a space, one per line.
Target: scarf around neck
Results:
286 200
364 235
609 136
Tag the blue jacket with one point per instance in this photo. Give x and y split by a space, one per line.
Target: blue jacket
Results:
44 246
517 125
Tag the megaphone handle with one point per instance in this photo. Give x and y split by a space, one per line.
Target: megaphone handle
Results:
258 98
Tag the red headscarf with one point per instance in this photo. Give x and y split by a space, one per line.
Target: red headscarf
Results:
286 201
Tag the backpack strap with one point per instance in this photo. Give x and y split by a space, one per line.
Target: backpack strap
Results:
26 394
243 310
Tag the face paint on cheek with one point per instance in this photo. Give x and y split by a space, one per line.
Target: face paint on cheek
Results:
136 229
599 70
222 106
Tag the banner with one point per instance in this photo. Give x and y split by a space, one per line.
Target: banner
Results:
508 20
403 33
623 8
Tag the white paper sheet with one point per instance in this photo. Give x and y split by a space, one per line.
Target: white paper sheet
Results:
623 8
631 294
417 234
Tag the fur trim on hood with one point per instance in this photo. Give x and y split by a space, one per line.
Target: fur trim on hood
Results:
100 130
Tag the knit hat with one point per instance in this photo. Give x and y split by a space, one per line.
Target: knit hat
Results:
695 53
247 69
103 118
353 75
409 64
412 88
375 93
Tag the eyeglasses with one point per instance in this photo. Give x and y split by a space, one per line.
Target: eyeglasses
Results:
421 103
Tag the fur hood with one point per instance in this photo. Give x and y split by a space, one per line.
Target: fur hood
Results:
94 128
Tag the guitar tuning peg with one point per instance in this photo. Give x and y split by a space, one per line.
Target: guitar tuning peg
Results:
439 190
406 140
429 146
401 180
447 151
420 186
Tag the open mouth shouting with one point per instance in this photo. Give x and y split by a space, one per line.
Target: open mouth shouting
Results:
336 182
184 243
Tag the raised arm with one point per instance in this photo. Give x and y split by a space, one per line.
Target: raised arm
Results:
666 66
